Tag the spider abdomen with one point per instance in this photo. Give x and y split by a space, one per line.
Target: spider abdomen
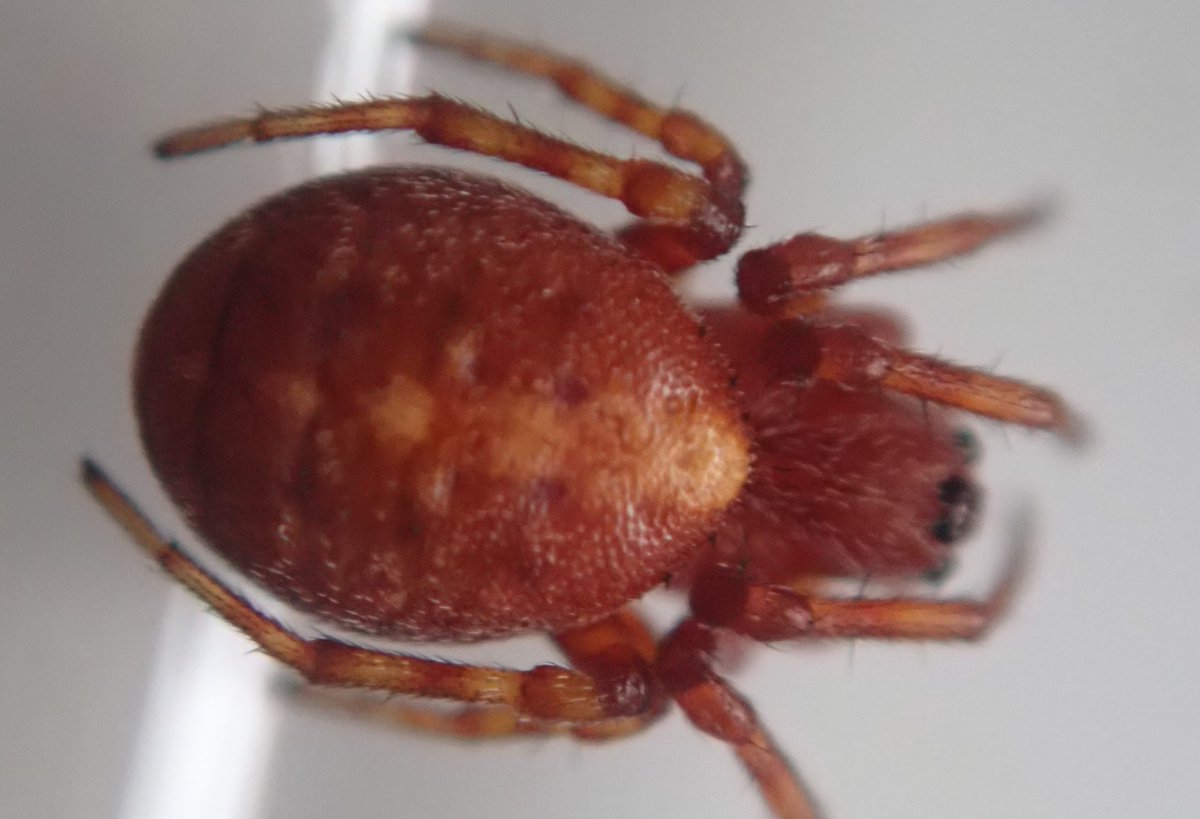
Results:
426 404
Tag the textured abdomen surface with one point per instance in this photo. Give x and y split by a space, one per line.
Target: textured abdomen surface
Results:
425 404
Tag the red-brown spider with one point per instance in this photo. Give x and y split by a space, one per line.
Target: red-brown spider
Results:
422 404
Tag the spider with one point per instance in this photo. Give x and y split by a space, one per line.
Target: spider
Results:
423 404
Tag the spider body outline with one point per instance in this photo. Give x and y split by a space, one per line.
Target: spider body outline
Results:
270 386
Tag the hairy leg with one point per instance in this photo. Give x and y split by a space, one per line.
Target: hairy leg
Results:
544 693
791 282
851 356
792 276
720 597
680 132
618 649
685 218
713 706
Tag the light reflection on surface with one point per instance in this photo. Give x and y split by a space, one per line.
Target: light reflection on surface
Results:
209 723
211 719
363 35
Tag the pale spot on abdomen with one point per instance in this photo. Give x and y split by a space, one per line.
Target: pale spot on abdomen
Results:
401 413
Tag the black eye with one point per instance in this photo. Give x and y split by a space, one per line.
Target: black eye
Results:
959 500
943 531
955 490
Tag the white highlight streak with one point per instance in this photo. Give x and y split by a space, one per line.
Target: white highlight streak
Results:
364 38
210 722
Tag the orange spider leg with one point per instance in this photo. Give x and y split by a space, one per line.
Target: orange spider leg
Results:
851 356
790 277
544 693
616 648
793 278
680 132
690 219
721 598
717 709
647 189
673 246
470 723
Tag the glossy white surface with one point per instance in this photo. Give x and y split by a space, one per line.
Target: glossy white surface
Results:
851 115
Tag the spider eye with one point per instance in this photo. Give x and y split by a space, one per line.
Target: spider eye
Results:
959 499
967 444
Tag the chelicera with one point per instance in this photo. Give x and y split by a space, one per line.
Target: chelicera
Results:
423 404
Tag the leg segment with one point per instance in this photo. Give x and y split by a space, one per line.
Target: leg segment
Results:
849 355
690 218
680 132
471 723
793 278
715 708
647 189
720 597
673 245
544 693
618 649
790 277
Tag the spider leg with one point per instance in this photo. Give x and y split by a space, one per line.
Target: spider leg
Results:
616 648
469 723
680 132
720 597
792 280
717 709
850 355
791 277
647 189
689 218
613 647
544 693
674 247
862 349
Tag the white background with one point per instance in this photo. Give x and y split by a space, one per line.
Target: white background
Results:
852 115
